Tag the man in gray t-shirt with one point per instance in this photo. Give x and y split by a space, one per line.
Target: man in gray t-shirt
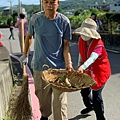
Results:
51 47
49 37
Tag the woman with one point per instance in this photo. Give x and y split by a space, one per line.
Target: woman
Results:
93 61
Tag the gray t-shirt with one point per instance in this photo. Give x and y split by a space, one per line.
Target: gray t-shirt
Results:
49 36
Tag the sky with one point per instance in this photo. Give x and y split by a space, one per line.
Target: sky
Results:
15 2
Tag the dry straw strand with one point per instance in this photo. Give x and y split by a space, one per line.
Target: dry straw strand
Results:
22 108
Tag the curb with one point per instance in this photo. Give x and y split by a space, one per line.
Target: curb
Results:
114 51
34 101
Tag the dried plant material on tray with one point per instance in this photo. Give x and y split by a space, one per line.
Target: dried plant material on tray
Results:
67 81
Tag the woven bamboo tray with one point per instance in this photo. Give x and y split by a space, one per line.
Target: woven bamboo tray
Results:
77 81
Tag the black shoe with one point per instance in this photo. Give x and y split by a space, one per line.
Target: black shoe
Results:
86 110
43 118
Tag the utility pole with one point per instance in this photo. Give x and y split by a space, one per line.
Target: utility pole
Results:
11 9
40 5
19 7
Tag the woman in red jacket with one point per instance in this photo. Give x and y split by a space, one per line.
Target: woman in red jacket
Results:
94 61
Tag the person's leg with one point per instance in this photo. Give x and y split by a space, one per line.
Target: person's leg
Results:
10 37
20 41
12 34
44 95
98 104
59 105
87 100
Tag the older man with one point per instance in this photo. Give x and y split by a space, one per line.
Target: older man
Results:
52 34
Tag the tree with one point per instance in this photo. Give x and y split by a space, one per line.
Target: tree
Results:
14 15
35 11
59 10
95 10
9 19
78 11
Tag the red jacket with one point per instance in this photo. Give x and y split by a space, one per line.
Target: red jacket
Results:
100 69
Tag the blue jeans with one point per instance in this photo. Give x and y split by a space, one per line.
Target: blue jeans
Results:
94 100
12 34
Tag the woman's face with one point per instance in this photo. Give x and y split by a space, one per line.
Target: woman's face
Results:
93 17
85 38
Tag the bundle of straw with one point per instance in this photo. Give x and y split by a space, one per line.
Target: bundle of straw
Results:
22 108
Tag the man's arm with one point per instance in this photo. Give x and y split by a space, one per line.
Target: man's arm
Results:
17 23
24 57
67 56
11 26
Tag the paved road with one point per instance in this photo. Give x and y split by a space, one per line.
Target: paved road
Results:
111 92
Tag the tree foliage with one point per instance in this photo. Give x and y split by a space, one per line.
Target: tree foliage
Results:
78 11
82 14
59 10
95 10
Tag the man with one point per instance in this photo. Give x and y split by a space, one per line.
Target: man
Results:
19 26
11 26
51 47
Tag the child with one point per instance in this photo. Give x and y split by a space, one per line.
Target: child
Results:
94 61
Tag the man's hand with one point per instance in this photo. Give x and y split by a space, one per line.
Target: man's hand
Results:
23 59
69 66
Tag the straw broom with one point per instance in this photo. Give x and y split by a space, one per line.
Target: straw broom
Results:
22 109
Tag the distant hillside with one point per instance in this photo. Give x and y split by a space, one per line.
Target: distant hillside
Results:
75 4
69 4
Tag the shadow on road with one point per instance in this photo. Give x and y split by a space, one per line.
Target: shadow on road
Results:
114 62
78 117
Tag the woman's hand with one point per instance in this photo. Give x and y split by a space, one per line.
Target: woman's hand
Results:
80 69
